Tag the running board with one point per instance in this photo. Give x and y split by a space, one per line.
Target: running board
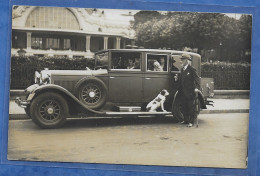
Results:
138 113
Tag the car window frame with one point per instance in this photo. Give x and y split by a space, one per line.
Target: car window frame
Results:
124 70
158 54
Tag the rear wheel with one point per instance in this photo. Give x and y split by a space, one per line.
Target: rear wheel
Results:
49 110
197 104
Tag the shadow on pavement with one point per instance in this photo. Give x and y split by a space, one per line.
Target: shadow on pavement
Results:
112 122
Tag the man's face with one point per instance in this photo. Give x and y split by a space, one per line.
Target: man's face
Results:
183 62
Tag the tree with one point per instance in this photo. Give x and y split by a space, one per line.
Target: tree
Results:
204 31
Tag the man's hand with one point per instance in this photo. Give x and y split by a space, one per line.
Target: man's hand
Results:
196 90
176 77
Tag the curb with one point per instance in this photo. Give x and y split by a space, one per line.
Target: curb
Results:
231 94
18 117
221 111
217 111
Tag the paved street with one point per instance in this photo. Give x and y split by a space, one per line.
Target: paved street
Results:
220 141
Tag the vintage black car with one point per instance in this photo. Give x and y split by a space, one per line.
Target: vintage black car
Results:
122 82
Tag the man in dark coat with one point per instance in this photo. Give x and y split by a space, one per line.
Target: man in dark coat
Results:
189 83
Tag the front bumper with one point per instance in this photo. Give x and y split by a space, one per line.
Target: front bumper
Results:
22 103
30 94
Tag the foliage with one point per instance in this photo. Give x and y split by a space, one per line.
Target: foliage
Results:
58 63
23 67
225 66
176 30
228 75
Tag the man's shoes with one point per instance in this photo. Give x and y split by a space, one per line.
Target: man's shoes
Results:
190 125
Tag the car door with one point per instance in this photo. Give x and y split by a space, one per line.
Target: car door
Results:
125 77
156 79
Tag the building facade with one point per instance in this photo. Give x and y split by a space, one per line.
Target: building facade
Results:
70 32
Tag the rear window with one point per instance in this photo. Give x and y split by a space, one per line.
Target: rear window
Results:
126 60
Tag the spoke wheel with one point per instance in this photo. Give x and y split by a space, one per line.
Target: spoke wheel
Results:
93 94
49 110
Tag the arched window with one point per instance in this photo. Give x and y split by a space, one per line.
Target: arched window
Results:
52 17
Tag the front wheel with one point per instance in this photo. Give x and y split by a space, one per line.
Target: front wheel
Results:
27 111
49 110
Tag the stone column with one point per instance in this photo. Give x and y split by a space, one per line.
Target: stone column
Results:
124 45
88 43
29 40
105 42
118 39
132 43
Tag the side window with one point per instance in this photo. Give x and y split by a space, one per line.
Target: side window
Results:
126 60
176 62
157 63
176 65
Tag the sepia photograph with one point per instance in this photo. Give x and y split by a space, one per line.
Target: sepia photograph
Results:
137 87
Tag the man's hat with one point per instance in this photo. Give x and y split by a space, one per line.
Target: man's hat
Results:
186 56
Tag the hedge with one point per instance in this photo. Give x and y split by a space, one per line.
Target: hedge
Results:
226 75
225 66
55 63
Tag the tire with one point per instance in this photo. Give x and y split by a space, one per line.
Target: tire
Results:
49 110
197 104
92 93
175 108
27 111
174 113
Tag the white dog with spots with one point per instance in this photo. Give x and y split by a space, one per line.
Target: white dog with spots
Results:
158 102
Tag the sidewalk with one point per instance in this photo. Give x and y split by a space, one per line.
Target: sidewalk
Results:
220 106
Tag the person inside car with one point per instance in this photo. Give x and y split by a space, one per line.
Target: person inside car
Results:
163 63
157 66
137 63
131 64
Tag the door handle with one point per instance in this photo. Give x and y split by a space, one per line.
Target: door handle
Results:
148 78
111 77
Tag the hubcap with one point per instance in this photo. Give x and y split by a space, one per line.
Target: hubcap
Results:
50 110
91 94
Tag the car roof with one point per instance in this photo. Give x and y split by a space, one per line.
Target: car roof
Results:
149 50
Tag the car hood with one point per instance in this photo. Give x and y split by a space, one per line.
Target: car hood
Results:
75 72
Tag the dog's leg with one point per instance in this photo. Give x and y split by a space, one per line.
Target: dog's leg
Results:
162 106
153 108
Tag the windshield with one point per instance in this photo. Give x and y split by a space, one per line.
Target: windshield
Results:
101 60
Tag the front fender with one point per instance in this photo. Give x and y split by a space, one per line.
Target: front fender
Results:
51 87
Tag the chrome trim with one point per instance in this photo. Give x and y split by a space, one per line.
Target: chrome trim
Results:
21 103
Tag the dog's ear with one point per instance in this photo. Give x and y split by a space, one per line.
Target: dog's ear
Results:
163 92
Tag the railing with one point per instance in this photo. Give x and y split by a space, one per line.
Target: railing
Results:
23 76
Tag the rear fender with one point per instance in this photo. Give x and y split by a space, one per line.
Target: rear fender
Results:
59 89
200 97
